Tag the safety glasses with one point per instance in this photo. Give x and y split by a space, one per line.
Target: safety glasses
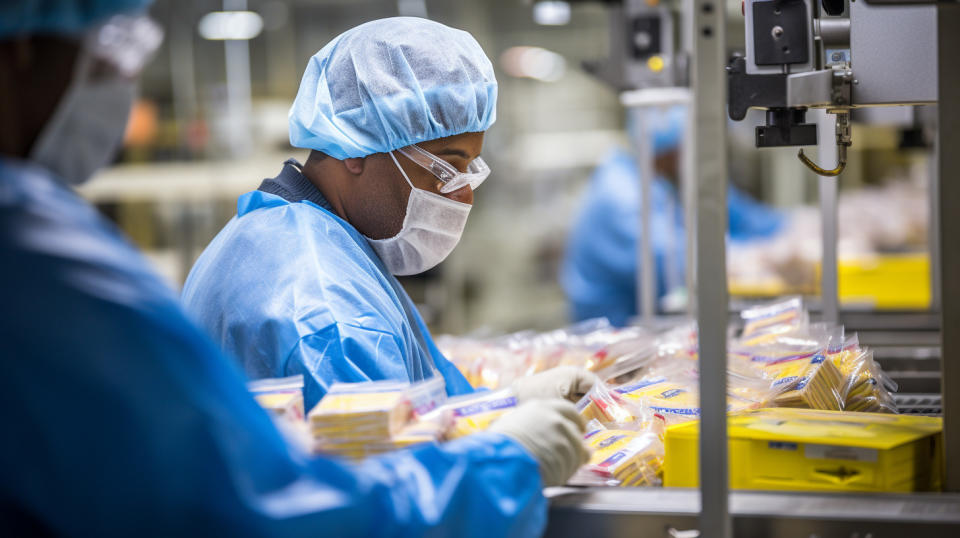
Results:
452 179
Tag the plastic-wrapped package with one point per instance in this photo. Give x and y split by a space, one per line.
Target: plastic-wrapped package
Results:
764 321
475 412
594 345
674 394
795 362
427 395
814 383
623 457
607 407
361 411
281 396
356 420
866 387
675 399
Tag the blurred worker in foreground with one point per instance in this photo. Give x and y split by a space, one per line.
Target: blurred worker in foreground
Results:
599 272
120 416
302 281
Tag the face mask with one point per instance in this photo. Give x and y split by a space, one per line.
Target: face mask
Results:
431 229
87 127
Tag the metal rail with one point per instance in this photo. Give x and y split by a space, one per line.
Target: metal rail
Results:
616 512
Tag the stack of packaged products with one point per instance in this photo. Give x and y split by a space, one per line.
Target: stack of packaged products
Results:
356 420
651 382
779 359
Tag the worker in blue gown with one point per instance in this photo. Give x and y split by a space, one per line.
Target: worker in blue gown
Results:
599 270
301 280
120 416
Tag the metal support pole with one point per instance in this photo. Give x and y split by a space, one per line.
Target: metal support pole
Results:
239 105
827 157
933 231
948 144
687 183
182 79
646 267
710 170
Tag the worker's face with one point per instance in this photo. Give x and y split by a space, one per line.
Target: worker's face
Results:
667 164
380 202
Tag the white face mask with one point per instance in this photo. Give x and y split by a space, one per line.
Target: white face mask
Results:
87 127
431 229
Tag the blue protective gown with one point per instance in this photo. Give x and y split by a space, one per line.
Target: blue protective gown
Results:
599 271
290 288
121 418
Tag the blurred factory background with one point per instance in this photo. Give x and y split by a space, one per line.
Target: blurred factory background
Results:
211 124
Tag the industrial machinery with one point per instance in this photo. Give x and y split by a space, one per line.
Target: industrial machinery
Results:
834 55
803 54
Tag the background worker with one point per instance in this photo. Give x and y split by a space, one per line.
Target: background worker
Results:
599 270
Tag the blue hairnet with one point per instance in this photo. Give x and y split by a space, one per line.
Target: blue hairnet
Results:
26 17
665 125
391 83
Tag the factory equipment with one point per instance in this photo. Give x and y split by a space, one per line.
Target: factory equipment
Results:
801 55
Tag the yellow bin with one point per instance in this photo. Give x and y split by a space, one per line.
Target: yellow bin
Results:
809 450
888 281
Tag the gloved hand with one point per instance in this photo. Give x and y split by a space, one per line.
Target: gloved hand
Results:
561 382
552 431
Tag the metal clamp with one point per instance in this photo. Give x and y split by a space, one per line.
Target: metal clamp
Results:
843 142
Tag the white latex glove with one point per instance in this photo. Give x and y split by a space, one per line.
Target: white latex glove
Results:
564 382
552 431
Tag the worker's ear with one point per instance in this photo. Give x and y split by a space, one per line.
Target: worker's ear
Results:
354 165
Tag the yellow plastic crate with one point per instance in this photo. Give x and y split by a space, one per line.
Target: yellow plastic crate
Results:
886 281
808 450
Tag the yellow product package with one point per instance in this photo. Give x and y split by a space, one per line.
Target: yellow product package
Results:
475 412
375 409
811 382
631 458
865 387
675 401
676 398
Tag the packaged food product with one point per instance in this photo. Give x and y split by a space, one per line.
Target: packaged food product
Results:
764 321
796 365
676 400
281 396
606 407
361 411
355 420
624 457
595 345
475 412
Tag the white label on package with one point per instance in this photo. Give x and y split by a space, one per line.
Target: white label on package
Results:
833 452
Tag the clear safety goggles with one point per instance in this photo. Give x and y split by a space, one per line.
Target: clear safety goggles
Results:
126 43
452 179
